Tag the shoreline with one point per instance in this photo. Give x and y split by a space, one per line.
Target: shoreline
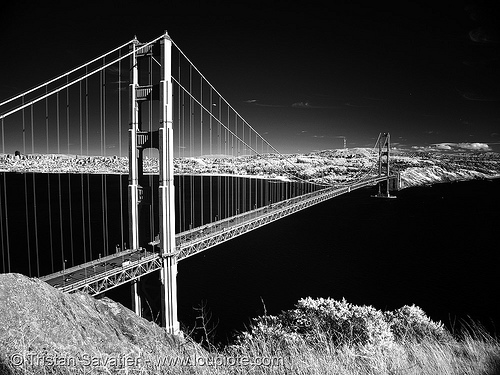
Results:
406 183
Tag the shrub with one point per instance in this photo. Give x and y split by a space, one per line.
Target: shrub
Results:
326 322
343 323
319 323
409 323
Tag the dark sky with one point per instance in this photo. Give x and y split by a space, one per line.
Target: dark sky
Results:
304 74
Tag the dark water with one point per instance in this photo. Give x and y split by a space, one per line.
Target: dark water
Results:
436 247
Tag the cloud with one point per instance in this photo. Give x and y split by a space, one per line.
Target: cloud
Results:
476 146
463 146
442 146
453 147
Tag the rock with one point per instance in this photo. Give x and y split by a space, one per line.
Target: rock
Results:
39 326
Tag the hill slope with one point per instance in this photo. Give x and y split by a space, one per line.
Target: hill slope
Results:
44 329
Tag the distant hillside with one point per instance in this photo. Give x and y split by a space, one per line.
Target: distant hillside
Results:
428 168
327 166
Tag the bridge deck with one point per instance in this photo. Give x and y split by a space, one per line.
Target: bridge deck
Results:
100 275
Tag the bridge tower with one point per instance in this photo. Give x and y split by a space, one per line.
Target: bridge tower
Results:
161 139
384 154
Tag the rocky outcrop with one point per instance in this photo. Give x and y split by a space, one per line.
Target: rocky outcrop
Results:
43 330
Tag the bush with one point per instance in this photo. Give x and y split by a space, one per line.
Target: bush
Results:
320 322
343 323
409 323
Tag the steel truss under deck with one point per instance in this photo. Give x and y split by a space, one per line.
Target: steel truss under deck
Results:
117 276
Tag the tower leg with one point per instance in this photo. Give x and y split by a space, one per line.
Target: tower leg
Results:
133 187
169 295
136 298
167 194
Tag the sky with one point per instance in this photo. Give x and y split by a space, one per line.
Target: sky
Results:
306 75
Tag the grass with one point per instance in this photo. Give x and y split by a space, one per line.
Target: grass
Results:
319 336
476 353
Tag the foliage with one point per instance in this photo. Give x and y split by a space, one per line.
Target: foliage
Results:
325 336
411 323
344 324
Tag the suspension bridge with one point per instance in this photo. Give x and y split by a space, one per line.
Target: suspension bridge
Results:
88 229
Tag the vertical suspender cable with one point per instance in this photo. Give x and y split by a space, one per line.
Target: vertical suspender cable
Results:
4 182
201 149
263 184
190 119
1 204
151 185
61 230
69 179
255 184
4 270
226 190
51 240
34 199
219 179
7 239
210 152
101 114
178 189
84 239
28 234
1 219
122 224
89 211
104 193
182 177
191 147
237 195
250 180
234 179
244 181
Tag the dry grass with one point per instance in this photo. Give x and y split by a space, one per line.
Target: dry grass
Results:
469 353
473 352
318 337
